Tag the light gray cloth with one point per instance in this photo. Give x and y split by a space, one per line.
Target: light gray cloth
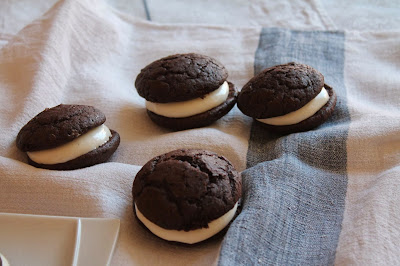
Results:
325 196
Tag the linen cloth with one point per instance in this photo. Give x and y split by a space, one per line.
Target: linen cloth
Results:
321 197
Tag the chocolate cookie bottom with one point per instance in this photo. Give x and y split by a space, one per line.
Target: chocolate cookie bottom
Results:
199 120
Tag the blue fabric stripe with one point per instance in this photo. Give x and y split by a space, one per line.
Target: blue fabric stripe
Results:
295 185
146 10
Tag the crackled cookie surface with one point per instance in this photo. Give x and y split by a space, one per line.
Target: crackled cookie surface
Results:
180 77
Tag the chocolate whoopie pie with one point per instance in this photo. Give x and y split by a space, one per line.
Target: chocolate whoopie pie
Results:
186 195
186 91
67 137
288 98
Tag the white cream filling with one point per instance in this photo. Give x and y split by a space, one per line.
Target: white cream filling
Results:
191 107
301 114
3 260
189 237
89 141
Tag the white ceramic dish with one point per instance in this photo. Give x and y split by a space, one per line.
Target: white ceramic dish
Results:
56 240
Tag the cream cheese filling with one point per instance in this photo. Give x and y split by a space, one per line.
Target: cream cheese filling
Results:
189 237
301 114
3 261
191 107
89 141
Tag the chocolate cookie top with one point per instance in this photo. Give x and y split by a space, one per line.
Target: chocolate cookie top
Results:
58 125
186 189
280 90
180 77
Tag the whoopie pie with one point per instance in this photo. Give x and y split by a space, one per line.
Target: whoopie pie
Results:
67 137
186 91
186 195
288 98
